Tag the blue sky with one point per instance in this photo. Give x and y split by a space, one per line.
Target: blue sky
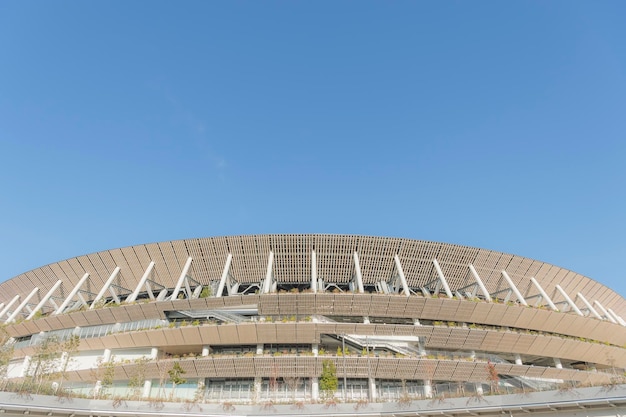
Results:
492 124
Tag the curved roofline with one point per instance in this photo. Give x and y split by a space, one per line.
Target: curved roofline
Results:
377 253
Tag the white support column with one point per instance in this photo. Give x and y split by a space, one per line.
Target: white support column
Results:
183 275
205 350
147 387
258 386
359 276
518 294
114 296
446 287
188 288
543 294
372 389
589 306
44 299
25 366
518 359
259 348
606 313
131 298
569 300
557 363
19 308
5 310
106 355
479 281
315 388
82 300
72 294
225 272
616 317
428 388
151 293
267 284
313 272
405 286
420 347
106 286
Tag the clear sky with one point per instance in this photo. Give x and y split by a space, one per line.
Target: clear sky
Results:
493 124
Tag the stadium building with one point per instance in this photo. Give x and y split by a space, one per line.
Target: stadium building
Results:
310 324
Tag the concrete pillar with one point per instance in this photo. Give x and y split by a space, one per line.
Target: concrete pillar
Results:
416 322
366 320
315 349
557 363
154 353
106 356
65 357
200 387
518 359
428 389
315 388
147 387
479 388
259 349
372 389
421 348
97 388
205 350
25 366
258 386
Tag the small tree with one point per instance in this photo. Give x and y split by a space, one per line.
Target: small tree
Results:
70 349
6 353
176 373
45 361
493 377
137 376
328 380
293 382
102 376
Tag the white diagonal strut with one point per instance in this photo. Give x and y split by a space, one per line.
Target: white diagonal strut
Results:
6 308
405 286
514 288
44 299
225 272
479 281
359 276
569 300
313 272
142 281
19 308
446 287
603 310
105 287
544 294
71 295
183 275
591 309
267 284
616 317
